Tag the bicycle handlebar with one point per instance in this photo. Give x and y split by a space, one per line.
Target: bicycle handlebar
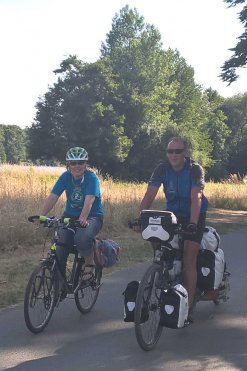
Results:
52 221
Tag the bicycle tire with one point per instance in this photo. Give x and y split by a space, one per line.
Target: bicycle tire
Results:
41 296
147 308
87 290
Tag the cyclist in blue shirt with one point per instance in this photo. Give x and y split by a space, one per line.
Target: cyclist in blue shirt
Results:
183 183
84 203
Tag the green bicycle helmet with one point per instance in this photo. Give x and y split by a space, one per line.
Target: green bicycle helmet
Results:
76 153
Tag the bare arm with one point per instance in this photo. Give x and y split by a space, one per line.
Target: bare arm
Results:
89 200
49 203
196 201
147 201
149 197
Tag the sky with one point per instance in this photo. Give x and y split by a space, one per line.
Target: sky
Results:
36 35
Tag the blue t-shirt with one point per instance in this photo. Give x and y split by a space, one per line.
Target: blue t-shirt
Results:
177 186
76 191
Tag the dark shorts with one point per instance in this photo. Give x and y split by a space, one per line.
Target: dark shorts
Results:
200 228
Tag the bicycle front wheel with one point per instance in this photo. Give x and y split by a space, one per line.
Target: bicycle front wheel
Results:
87 290
40 297
147 309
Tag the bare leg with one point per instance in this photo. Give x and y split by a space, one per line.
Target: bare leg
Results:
190 253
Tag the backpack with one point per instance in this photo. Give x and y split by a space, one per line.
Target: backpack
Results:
130 294
174 307
107 252
210 239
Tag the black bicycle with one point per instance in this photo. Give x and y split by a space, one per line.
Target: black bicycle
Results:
48 285
163 274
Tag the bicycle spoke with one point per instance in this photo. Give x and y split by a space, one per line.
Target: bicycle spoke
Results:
40 298
147 312
87 290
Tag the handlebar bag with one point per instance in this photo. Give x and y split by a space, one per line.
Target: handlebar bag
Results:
157 225
174 307
130 294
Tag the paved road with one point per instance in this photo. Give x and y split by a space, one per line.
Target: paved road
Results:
101 340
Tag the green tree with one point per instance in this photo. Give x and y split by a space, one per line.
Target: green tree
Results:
190 108
218 132
156 89
239 57
123 107
2 150
78 111
235 109
14 141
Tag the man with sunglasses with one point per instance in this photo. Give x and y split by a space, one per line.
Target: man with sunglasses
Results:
183 183
83 202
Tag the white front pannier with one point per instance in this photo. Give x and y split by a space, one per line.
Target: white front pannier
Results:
157 225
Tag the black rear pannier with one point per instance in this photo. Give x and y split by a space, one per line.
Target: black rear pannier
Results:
174 307
157 225
210 269
130 294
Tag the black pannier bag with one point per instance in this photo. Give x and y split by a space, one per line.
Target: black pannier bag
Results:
210 269
174 307
157 225
130 294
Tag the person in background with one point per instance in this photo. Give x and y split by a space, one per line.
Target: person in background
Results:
83 203
183 183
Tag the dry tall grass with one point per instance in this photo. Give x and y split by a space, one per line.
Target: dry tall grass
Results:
24 188
22 192
226 195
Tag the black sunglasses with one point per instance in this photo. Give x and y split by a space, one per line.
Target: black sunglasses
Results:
74 163
177 151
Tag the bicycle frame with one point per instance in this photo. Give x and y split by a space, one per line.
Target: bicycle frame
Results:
48 285
78 261
165 254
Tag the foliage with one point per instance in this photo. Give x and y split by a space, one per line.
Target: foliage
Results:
124 108
125 105
218 132
239 57
235 109
2 151
13 142
78 110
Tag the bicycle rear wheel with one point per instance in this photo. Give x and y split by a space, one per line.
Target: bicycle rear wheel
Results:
147 309
40 297
87 290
